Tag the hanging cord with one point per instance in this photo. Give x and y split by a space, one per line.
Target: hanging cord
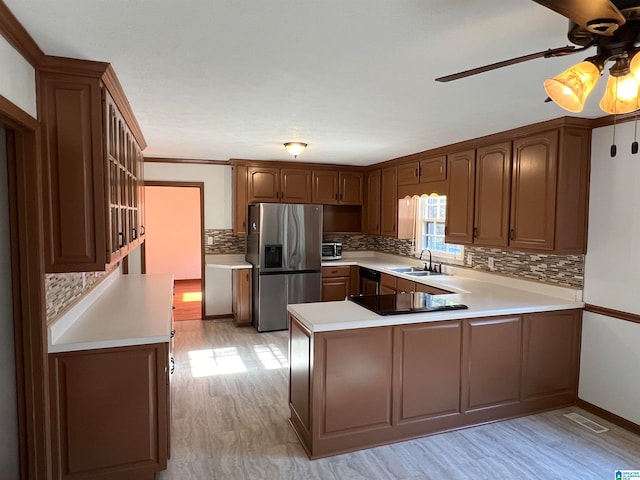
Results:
614 149
634 145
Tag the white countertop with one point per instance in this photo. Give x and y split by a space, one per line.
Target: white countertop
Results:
232 261
122 310
485 294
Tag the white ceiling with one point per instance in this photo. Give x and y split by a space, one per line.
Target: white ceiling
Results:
220 79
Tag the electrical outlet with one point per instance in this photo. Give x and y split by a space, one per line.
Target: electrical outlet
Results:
469 259
209 240
491 264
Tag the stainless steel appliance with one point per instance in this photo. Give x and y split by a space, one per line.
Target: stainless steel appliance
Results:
369 281
331 251
400 303
283 245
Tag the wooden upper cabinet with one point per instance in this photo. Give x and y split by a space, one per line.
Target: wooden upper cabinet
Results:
240 208
332 187
533 191
460 198
264 184
372 205
295 185
325 187
91 163
409 173
351 188
389 202
492 195
433 169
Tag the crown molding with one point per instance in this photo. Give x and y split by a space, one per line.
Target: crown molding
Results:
198 161
13 31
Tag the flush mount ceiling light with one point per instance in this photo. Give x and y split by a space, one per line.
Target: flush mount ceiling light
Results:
295 148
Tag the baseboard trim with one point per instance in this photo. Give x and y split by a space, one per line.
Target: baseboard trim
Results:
607 415
218 317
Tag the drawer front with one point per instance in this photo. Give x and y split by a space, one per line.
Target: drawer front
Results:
337 271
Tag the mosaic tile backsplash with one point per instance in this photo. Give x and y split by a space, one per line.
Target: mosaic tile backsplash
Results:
563 270
62 290
224 242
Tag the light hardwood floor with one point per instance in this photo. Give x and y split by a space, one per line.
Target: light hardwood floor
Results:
230 422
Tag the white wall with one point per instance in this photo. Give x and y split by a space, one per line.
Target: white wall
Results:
610 354
217 187
8 404
18 79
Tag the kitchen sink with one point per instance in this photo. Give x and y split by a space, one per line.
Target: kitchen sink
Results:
414 271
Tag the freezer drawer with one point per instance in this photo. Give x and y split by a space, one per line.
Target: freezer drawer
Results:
276 291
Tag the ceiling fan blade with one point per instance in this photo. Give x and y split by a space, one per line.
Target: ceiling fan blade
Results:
599 16
552 52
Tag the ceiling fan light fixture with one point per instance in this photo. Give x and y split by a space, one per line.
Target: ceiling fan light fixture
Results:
621 95
634 65
295 148
571 88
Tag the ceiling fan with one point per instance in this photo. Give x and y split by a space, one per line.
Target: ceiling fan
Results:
613 27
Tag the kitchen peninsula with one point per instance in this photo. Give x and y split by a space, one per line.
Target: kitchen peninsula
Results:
358 379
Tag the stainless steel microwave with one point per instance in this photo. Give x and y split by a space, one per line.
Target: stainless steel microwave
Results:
331 251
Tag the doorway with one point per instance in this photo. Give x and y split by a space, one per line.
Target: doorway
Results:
174 230
9 455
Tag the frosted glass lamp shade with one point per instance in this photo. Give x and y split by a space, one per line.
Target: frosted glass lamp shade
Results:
621 95
295 148
571 88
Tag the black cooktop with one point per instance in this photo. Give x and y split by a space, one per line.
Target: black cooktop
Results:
399 303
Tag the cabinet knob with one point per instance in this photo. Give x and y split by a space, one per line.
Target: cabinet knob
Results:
475 232
512 234
417 173
173 333
336 196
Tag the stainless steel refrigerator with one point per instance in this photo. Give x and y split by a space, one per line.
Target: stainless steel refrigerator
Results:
284 246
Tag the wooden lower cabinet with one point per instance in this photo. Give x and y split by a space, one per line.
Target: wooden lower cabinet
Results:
110 412
241 292
353 389
388 284
339 282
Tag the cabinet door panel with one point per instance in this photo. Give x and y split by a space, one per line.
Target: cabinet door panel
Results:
240 211
351 188
493 362
241 288
433 169
325 187
389 202
264 184
405 286
408 173
388 283
551 352
460 197
372 226
335 289
295 185
101 431
429 370
493 195
355 369
533 191
74 196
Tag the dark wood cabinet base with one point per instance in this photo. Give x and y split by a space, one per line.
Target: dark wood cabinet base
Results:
355 389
